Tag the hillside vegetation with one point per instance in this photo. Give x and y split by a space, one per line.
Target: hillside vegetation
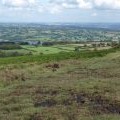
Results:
57 57
65 86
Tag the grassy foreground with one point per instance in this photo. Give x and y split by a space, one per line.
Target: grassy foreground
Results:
77 89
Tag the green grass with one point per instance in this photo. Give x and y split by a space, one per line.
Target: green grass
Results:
28 49
84 87
51 49
42 50
56 57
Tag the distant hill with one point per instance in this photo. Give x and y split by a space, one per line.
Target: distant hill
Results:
60 31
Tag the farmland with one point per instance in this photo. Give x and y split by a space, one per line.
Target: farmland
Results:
52 49
63 32
40 50
35 39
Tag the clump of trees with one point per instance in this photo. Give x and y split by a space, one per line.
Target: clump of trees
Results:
10 54
10 46
77 49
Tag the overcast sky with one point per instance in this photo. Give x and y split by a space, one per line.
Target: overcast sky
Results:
59 10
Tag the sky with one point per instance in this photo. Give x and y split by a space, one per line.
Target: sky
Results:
76 11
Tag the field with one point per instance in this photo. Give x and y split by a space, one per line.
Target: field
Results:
48 50
71 86
51 49
39 50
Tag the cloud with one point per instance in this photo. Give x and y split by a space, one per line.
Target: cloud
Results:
56 9
89 4
106 4
94 14
84 4
56 6
18 3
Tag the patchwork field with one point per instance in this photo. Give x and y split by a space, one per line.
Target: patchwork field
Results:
50 49
56 48
38 50
84 88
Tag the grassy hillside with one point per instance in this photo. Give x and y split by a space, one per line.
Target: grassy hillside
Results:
56 57
71 86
